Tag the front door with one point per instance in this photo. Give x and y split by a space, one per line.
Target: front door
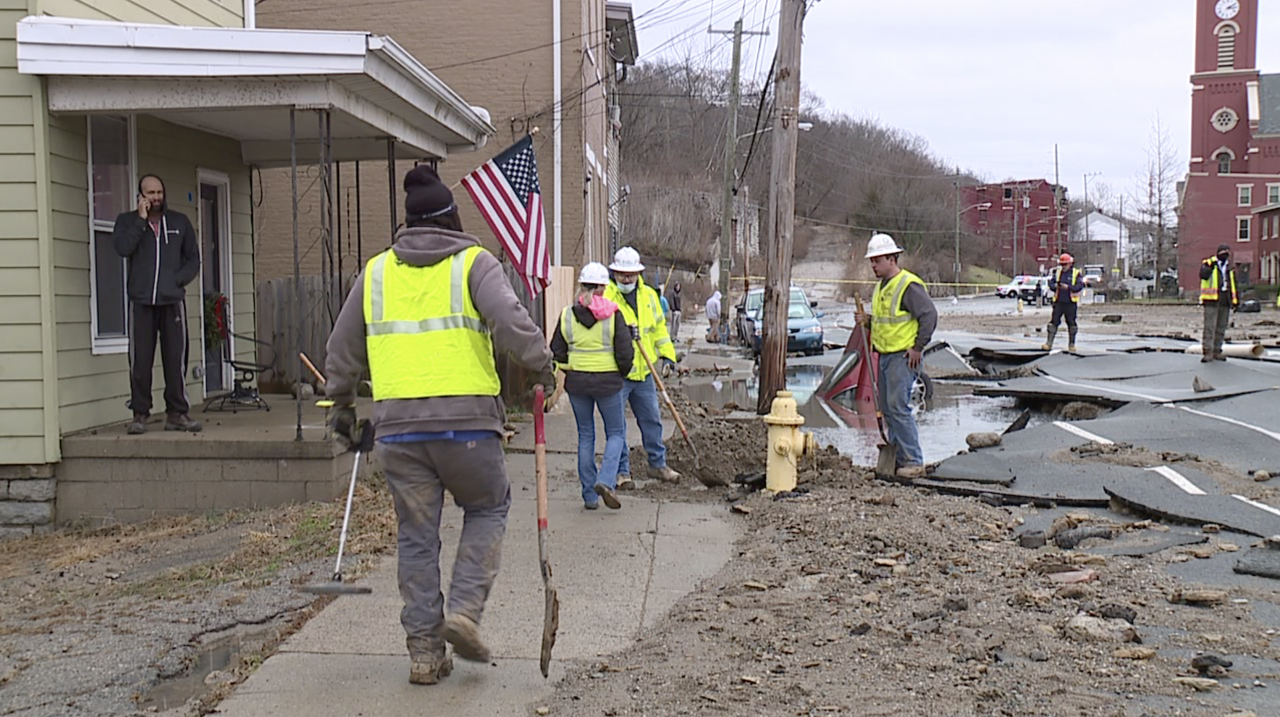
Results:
215 281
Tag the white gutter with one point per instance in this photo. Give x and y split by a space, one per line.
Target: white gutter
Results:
250 14
555 130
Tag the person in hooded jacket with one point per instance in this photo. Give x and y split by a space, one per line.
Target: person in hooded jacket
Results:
593 345
423 318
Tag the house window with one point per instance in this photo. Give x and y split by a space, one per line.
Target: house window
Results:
1224 163
1226 47
111 192
1008 193
982 215
1044 240
1273 194
1242 233
1244 195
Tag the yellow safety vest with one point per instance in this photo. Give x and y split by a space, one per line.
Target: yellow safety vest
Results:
892 329
654 339
1057 275
424 336
590 349
1209 287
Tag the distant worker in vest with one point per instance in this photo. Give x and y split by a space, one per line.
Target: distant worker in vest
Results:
643 315
1065 284
164 256
592 344
1217 294
903 319
423 319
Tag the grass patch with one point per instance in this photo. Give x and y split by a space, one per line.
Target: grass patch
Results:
983 275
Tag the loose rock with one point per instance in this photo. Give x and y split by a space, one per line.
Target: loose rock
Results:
1032 539
1199 684
1200 385
1199 597
1134 653
1261 476
1087 628
983 440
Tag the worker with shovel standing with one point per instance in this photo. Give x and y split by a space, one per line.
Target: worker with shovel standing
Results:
643 313
423 318
902 320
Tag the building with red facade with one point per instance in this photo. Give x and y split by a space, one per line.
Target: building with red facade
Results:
1021 224
1233 183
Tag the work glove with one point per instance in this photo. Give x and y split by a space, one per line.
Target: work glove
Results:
635 332
353 434
666 366
547 377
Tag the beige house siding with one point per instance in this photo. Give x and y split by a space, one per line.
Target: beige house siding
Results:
93 388
195 13
517 91
25 320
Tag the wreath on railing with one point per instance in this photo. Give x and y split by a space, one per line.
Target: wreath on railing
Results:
215 320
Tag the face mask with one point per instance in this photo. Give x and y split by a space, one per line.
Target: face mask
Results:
627 288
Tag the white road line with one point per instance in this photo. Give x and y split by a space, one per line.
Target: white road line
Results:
1177 479
1118 392
1256 504
1083 433
1269 434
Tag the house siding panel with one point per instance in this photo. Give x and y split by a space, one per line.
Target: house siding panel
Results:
93 388
196 13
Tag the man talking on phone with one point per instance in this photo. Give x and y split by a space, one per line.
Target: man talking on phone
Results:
164 257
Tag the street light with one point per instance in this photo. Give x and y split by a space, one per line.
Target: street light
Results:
980 205
802 126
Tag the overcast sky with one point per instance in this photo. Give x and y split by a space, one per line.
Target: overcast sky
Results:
990 85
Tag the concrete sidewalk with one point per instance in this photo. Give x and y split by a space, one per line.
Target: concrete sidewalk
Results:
616 571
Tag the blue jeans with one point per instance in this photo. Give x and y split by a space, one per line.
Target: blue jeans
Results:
643 397
896 380
615 440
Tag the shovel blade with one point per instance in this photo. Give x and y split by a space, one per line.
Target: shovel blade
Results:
887 462
550 625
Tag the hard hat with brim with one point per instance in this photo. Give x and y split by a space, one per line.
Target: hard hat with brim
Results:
627 260
882 245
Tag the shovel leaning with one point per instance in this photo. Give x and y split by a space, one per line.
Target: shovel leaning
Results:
706 477
551 612
887 461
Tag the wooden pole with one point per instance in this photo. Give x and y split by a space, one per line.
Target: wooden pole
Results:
782 202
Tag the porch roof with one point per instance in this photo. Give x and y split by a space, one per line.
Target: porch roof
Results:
241 84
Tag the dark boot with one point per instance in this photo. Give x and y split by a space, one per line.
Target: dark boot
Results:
1071 338
428 663
138 425
1050 333
182 422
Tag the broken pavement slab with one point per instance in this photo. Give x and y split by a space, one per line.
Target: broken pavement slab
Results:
1264 562
1167 501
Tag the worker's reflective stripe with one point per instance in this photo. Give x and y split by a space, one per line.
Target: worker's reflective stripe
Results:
567 324
443 323
654 339
457 276
590 349
1057 276
893 329
1209 287
375 287
895 306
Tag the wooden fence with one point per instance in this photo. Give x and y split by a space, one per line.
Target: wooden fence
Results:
278 327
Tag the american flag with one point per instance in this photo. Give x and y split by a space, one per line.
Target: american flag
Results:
505 189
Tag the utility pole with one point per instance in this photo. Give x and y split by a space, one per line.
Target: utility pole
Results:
1057 205
1016 200
955 291
782 202
730 165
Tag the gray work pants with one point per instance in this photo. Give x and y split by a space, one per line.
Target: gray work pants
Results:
1217 316
418 474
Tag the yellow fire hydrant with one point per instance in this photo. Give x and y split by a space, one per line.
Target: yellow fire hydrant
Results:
786 443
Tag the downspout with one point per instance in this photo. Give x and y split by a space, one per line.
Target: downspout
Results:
556 113
51 424
250 14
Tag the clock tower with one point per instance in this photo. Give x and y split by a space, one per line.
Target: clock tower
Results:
1226 48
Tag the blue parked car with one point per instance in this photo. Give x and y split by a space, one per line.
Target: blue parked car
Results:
804 330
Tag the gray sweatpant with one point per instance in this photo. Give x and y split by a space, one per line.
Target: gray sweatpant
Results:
1217 316
418 474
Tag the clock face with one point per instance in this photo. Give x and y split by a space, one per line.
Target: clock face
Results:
1227 9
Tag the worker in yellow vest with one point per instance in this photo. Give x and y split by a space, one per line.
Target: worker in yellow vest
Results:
593 344
424 318
1217 295
902 320
643 313
1065 283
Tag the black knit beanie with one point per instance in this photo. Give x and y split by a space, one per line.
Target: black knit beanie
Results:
425 196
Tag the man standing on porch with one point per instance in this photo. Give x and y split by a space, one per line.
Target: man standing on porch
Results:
424 318
164 257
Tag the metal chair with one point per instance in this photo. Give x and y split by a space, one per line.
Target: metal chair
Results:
244 393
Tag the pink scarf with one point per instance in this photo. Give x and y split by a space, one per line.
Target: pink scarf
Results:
601 308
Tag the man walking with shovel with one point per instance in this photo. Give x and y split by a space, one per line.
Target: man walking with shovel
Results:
424 318
903 319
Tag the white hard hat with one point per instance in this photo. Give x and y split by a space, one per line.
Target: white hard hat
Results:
882 245
627 260
594 273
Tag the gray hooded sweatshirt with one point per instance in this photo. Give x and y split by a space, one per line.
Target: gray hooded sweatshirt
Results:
510 326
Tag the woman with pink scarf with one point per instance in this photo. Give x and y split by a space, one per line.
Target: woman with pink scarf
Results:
593 346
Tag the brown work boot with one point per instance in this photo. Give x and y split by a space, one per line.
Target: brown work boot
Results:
464 634
428 663
606 495
138 425
625 482
665 474
182 422
910 472
1206 358
1219 356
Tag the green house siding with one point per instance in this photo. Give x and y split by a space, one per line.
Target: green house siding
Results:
26 321
93 389
195 13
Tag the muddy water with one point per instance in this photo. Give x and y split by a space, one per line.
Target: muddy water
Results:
953 413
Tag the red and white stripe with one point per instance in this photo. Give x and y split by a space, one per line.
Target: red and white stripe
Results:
500 207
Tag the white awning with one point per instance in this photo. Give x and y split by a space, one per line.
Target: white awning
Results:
242 83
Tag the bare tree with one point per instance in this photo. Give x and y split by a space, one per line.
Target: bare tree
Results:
1155 194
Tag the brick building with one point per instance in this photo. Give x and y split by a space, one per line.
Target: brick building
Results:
1016 218
501 56
1234 174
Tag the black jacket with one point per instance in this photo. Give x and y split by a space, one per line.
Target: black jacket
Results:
595 383
159 267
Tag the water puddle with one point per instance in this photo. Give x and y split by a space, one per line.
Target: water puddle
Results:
211 667
953 413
